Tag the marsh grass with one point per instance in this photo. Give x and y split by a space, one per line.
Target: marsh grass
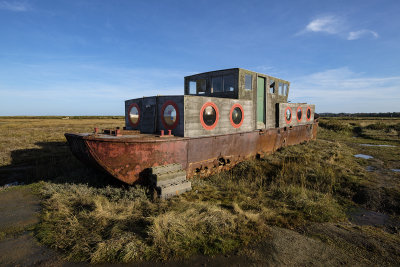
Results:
89 218
223 213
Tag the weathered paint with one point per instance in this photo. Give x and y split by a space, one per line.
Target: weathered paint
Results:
200 149
127 157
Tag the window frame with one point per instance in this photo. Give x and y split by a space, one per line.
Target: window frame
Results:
176 122
285 89
233 82
251 82
131 106
280 88
214 106
269 85
212 84
237 105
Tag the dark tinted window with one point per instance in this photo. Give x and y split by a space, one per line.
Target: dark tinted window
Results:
201 86
308 114
299 114
237 115
229 83
217 84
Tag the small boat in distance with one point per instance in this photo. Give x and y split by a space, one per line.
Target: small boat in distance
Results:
224 117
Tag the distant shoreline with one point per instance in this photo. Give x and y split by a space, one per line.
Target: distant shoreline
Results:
382 115
62 117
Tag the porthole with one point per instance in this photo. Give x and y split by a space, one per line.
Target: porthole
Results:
170 115
209 115
299 113
134 115
308 113
288 115
236 116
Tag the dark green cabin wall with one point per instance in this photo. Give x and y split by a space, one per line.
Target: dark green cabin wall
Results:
261 99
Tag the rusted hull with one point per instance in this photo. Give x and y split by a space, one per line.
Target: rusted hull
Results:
127 159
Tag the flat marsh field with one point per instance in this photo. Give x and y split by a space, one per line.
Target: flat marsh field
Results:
309 204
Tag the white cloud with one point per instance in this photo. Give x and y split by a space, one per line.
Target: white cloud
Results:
361 33
336 26
342 90
14 6
328 24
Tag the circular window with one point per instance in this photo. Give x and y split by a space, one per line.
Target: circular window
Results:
288 115
134 115
308 114
299 114
170 115
209 116
236 115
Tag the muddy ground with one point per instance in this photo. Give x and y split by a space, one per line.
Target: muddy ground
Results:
19 212
369 236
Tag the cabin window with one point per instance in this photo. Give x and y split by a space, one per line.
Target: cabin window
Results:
209 116
288 115
280 88
236 115
229 83
308 114
192 87
170 115
299 114
201 86
248 81
216 84
285 89
272 86
134 114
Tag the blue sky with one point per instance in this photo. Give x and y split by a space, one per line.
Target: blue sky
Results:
86 57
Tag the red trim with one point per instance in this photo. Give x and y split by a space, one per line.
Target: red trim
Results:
291 115
205 126
134 125
230 115
172 103
308 109
297 110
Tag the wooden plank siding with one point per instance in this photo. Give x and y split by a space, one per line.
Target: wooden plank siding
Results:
193 126
282 107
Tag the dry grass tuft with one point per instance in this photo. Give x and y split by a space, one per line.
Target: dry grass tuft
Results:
87 219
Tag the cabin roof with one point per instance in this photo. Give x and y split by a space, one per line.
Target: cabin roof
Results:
231 69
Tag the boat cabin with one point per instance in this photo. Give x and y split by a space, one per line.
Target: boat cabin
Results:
219 102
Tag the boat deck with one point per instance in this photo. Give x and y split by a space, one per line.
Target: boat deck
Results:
126 136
